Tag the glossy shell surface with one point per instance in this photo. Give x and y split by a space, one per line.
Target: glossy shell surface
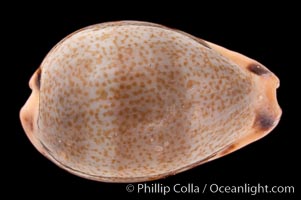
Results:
135 101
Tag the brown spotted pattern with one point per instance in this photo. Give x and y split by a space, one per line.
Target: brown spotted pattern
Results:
136 101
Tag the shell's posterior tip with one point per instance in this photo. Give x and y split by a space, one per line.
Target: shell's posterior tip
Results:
268 112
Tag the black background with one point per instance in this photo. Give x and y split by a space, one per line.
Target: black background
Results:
267 34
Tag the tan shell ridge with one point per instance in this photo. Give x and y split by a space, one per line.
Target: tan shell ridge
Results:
140 115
